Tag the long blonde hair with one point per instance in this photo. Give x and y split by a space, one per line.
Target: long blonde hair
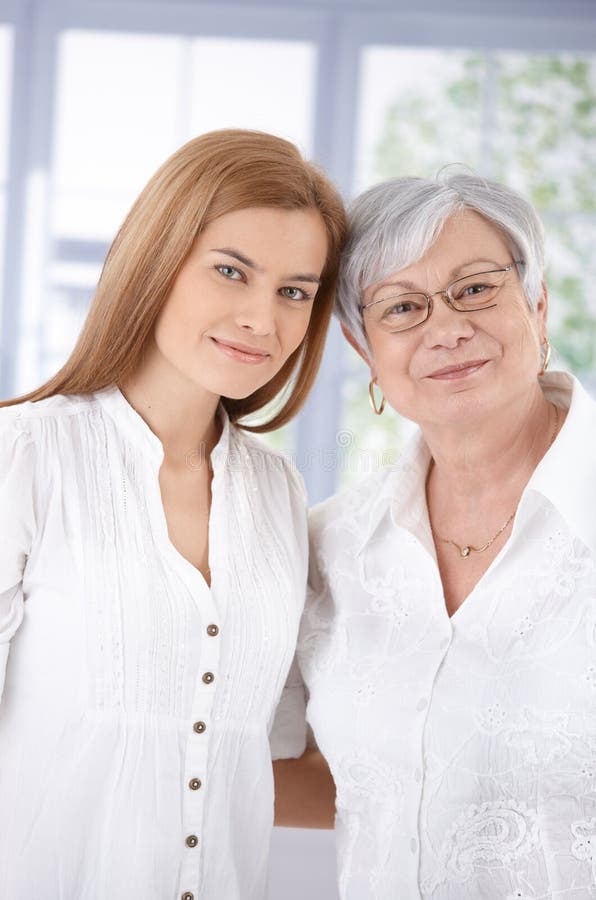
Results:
216 173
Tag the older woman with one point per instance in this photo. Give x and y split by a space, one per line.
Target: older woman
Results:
449 643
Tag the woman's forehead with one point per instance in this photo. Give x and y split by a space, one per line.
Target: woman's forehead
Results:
465 240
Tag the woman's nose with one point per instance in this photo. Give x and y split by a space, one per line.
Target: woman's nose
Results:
446 326
257 314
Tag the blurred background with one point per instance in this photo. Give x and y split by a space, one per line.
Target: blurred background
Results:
95 94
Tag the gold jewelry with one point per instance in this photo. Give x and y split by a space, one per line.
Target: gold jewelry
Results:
465 551
546 357
371 396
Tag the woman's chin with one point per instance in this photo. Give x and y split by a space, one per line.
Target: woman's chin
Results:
231 388
465 409
458 408
238 392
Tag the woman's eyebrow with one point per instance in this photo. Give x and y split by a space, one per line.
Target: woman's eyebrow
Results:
472 262
230 251
236 254
410 286
311 279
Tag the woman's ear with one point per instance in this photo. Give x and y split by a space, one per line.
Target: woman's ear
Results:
354 343
542 311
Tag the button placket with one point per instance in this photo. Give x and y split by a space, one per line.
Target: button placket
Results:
196 785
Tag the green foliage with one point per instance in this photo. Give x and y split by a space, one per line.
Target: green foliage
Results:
575 335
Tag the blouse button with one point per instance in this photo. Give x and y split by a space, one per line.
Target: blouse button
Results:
194 784
208 677
212 630
422 704
192 840
413 845
199 727
188 896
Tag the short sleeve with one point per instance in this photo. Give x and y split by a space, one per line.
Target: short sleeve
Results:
17 525
288 735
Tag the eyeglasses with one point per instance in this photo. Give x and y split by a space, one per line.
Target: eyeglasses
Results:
400 312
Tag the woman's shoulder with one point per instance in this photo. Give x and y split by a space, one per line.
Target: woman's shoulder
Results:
55 406
24 423
354 504
273 465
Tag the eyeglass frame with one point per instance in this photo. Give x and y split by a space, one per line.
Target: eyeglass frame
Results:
446 298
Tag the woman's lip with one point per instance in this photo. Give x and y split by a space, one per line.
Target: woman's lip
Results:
241 352
450 373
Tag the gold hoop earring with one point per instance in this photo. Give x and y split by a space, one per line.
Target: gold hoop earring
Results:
371 396
546 357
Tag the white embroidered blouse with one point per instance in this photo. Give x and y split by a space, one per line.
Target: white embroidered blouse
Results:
134 752
464 749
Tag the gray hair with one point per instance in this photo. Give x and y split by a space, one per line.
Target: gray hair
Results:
394 223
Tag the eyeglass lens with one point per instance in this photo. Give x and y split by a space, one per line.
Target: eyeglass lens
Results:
399 311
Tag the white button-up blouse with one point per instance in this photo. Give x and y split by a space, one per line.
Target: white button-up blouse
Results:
134 719
464 749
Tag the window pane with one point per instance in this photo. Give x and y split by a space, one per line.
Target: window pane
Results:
527 120
114 125
267 85
417 112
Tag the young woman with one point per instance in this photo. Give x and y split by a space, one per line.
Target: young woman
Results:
152 552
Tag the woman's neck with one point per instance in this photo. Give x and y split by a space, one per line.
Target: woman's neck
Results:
182 415
490 462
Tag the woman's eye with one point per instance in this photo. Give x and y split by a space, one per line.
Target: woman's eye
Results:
399 308
294 293
230 272
473 289
402 308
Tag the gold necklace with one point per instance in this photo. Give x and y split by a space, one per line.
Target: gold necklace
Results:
465 551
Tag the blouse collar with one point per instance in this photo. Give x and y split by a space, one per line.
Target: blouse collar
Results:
137 432
402 497
566 475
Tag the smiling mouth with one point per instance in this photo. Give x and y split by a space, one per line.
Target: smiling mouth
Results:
452 373
241 352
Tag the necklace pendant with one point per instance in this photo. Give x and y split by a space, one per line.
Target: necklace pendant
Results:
465 551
